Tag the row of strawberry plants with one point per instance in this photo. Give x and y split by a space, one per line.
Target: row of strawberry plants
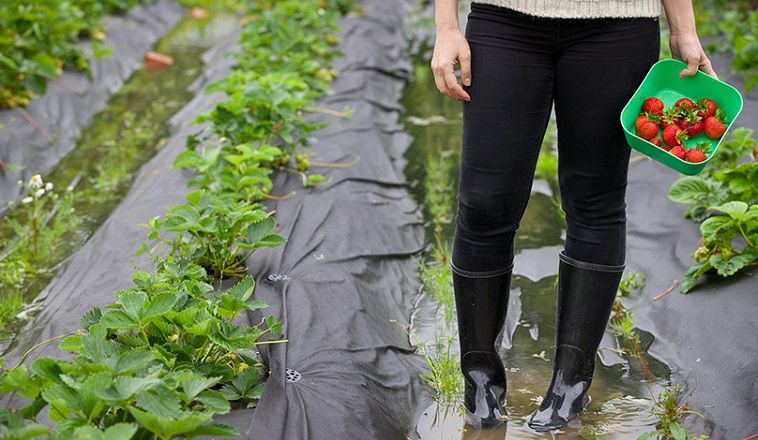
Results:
38 39
168 355
734 23
724 200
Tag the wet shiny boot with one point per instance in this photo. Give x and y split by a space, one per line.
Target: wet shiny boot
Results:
585 297
481 304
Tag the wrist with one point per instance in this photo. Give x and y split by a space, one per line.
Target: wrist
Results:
448 26
683 33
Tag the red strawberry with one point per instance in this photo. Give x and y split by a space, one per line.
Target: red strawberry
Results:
697 154
692 123
706 108
641 119
673 136
679 152
655 141
693 129
714 126
684 103
653 105
277 127
671 115
647 130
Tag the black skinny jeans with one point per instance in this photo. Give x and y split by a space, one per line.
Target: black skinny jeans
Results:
521 65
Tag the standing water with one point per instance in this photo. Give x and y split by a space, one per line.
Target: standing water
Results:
622 391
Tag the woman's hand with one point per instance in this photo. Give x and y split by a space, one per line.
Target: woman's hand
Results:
687 47
451 48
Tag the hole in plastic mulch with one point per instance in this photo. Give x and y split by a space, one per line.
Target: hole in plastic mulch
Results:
274 277
292 376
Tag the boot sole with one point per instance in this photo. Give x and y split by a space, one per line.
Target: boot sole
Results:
474 422
547 428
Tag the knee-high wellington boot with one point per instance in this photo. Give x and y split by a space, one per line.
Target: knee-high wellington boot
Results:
585 297
481 304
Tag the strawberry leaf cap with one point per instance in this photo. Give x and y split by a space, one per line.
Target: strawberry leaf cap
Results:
704 146
720 116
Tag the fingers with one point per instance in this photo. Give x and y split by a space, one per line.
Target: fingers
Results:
447 84
455 90
466 68
690 70
707 67
439 78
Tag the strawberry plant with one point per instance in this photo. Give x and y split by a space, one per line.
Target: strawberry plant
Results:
38 39
736 25
161 361
725 201
218 233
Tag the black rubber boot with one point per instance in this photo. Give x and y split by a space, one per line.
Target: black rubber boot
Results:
481 304
585 297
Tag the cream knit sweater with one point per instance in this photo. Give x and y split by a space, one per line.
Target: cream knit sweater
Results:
581 8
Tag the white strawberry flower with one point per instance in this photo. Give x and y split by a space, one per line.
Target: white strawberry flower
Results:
48 186
40 192
35 181
27 200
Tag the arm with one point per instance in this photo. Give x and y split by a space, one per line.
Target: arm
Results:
683 39
450 48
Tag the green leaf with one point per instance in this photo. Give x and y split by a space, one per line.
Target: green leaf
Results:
125 387
258 230
739 184
689 189
100 51
142 249
243 289
194 197
711 226
736 209
166 427
243 385
188 159
47 368
63 398
677 431
8 62
271 240
71 343
96 348
214 401
214 429
134 360
160 304
118 320
45 66
729 267
133 302
160 401
91 317
119 431
693 275
91 404
37 84
193 387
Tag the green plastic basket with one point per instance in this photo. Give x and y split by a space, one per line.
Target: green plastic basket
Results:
663 81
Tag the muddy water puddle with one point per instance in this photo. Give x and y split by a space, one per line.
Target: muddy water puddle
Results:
623 386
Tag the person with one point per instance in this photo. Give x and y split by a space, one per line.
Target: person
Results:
518 59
